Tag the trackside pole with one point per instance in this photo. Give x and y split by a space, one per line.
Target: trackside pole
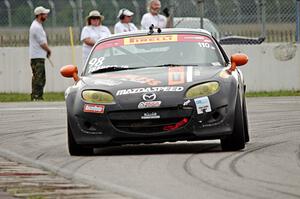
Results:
298 21
72 44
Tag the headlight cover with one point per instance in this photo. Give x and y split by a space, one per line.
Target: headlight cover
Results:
97 97
202 90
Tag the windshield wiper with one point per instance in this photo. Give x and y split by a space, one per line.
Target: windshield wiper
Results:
109 69
174 65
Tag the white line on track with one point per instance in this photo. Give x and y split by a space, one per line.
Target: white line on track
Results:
32 108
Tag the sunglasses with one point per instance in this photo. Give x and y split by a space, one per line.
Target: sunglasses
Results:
95 18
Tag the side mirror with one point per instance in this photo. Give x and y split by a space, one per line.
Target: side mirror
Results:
70 71
238 59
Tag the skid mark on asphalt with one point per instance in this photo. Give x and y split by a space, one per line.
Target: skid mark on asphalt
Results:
232 166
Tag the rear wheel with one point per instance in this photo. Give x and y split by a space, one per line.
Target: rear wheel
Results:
236 140
76 149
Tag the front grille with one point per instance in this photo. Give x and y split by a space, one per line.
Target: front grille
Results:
145 126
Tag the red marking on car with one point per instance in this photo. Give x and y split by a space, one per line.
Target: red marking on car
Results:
177 125
176 75
93 108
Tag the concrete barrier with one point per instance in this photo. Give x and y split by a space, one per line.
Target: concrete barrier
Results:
271 67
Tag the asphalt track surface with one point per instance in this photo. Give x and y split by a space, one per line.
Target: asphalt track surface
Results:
269 166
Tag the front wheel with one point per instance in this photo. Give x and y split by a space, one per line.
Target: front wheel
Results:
74 148
236 140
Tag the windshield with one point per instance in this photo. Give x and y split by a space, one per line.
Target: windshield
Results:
153 51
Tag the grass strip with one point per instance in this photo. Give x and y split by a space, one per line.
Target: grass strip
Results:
25 97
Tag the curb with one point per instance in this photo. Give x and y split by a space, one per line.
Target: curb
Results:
73 176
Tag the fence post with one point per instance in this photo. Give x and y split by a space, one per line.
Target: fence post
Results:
263 18
137 10
201 11
53 12
7 4
73 5
80 14
298 21
30 4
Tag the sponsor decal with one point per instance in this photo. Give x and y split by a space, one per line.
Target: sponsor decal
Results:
132 78
202 105
189 74
97 64
107 82
149 97
93 108
152 104
110 44
153 39
150 115
194 38
187 102
150 90
176 75
150 39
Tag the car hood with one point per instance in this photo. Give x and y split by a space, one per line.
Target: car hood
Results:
169 84
150 77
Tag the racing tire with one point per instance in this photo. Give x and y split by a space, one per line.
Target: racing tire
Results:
245 117
235 141
74 148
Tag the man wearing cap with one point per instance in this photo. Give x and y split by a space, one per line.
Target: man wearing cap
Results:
38 51
125 25
153 16
92 32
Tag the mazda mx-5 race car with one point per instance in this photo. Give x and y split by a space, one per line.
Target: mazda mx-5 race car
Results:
157 86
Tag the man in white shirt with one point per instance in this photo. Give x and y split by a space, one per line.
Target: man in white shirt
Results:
153 16
125 25
38 51
92 32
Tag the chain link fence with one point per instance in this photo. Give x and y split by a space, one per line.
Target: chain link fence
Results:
273 19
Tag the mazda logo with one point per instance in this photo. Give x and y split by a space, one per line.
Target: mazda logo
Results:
149 97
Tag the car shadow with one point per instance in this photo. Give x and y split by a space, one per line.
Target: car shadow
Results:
164 148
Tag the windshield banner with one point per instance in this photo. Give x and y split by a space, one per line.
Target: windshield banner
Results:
154 39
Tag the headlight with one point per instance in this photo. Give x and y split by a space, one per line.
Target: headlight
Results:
201 90
97 97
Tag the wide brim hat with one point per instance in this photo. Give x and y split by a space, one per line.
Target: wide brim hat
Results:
95 13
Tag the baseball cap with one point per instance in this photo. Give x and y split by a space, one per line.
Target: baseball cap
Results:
95 13
125 12
41 10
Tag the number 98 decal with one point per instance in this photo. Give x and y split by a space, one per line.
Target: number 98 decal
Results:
96 62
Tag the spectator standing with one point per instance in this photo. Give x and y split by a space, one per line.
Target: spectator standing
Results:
92 32
38 51
153 16
125 25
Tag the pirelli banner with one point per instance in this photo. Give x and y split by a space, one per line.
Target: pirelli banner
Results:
150 39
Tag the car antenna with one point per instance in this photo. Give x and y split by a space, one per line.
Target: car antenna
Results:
151 31
159 30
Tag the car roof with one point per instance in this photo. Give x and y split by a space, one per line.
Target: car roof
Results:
163 32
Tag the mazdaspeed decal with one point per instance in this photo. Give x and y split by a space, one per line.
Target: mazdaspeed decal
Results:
150 90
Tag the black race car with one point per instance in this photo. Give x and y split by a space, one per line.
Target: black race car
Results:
157 86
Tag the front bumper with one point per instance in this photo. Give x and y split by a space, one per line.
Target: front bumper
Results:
129 127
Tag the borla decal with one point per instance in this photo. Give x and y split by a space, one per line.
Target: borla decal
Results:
150 90
93 108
